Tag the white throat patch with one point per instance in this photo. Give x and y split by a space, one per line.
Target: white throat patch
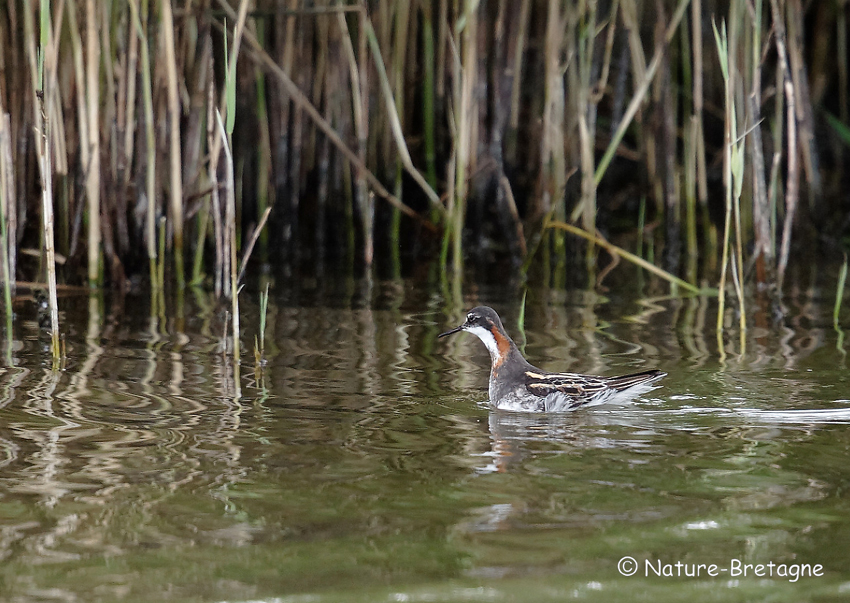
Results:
487 337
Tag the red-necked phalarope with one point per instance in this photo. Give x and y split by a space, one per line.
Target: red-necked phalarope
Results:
517 385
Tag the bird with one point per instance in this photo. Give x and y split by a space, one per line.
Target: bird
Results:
519 386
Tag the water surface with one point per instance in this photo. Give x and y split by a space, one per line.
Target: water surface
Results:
363 464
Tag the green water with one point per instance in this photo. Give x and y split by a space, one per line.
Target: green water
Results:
364 465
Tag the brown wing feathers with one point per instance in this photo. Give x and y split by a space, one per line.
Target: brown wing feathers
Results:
582 386
569 384
627 381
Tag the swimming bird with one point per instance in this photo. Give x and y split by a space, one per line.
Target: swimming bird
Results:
517 385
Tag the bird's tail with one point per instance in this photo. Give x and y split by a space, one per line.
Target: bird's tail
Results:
627 381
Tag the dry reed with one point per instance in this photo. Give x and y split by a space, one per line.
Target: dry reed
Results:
337 98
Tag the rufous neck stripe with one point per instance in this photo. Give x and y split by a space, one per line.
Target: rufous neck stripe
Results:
502 343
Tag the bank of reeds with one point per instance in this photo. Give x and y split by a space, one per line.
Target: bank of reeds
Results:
378 130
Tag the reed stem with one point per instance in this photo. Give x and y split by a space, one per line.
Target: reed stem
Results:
839 293
395 122
175 172
611 248
428 101
150 142
793 169
93 175
5 202
42 70
264 310
230 227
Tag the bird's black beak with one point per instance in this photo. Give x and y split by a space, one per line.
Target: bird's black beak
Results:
455 330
